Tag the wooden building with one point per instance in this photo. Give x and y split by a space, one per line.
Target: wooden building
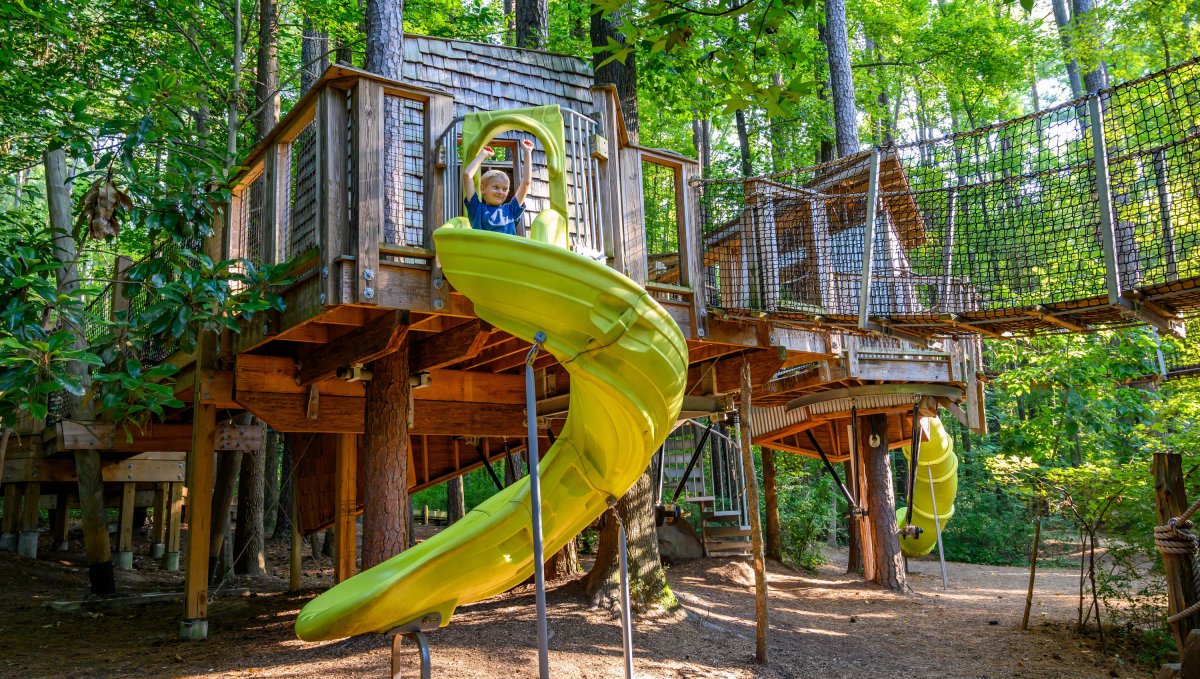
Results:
347 190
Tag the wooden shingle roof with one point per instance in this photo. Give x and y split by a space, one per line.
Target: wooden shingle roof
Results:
495 77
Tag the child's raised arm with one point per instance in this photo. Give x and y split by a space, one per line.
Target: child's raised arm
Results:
526 173
468 173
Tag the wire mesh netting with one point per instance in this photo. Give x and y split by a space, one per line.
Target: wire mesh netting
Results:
300 203
998 228
248 232
404 171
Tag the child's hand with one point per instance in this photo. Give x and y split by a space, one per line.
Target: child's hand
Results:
487 152
527 145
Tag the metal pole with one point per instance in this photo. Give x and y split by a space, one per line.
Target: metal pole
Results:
422 646
535 505
1108 240
914 453
626 617
937 524
864 290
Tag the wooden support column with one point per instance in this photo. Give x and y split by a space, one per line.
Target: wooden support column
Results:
12 514
158 521
1170 501
346 495
60 523
881 506
123 559
750 479
27 542
294 554
368 187
331 194
200 465
170 560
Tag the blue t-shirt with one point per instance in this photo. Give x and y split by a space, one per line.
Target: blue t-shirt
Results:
502 218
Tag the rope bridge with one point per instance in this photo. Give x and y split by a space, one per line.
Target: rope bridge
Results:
1080 216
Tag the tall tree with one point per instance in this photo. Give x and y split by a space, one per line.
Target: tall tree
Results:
532 24
841 79
1087 25
385 38
619 70
1062 18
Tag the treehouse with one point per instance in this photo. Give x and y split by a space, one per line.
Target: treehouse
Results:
347 190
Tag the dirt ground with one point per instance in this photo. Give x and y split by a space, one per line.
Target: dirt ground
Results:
823 624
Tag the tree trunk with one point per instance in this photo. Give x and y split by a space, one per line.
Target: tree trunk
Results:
249 558
854 560
825 150
314 55
564 562
881 511
1094 79
622 75
1062 18
385 460
456 505
647 580
510 23
743 134
385 38
532 24
228 463
841 80
266 88
87 462
702 142
771 494
271 484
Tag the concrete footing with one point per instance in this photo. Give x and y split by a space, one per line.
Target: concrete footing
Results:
62 546
8 542
157 551
123 561
27 544
193 630
170 561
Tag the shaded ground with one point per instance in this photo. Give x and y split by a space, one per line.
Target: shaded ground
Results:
823 624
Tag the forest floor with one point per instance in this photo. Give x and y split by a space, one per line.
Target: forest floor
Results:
823 624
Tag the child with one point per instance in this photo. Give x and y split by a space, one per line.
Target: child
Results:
493 213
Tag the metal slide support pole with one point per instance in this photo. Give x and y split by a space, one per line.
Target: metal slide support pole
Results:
937 524
535 500
914 453
1108 239
832 472
864 290
626 617
422 644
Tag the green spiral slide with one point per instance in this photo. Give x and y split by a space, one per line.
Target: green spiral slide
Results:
937 460
627 361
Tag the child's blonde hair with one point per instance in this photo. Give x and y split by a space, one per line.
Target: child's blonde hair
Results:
494 174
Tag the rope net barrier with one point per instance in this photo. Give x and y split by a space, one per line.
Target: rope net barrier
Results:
1000 230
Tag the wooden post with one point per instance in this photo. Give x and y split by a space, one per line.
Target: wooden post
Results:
346 497
331 193
756 529
866 531
12 514
368 188
1108 243
200 466
1170 500
158 521
610 178
868 253
175 511
27 542
774 542
60 525
123 559
1033 557
881 509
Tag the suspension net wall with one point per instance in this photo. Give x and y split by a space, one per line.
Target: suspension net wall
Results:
1001 230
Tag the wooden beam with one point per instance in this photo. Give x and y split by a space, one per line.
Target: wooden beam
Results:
1044 313
124 556
175 507
200 465
468 419
472 387
256 373
451 346
376 339
289 412
724 374
346 499
79 435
